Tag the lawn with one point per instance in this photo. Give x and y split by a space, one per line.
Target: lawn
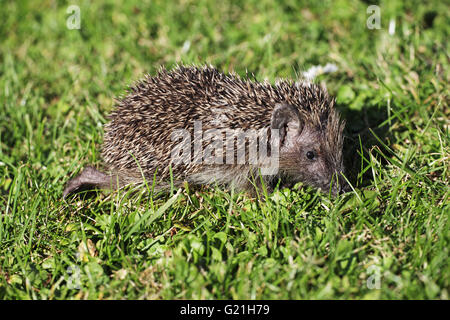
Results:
386 239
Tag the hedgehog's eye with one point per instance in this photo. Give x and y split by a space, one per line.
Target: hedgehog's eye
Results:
310 155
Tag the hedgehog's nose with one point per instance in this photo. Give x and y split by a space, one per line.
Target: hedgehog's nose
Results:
342 186
343 189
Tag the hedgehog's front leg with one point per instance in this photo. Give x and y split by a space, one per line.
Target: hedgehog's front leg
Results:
90 178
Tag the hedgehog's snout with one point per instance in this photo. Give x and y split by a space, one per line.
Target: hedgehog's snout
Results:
339 184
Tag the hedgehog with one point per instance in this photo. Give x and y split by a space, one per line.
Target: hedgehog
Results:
198 125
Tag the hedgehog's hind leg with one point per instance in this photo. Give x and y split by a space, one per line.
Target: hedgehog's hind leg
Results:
90 178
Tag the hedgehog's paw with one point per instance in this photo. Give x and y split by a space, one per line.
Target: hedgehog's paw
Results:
90 178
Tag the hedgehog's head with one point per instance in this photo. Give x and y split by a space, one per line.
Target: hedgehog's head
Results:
311 144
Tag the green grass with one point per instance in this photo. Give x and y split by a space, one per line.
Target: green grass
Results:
57 86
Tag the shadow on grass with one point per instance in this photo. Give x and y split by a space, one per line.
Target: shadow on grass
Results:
359 141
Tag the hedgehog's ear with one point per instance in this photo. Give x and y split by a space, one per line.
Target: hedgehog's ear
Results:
286 119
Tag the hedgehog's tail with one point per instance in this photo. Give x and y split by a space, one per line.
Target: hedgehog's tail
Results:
90 179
